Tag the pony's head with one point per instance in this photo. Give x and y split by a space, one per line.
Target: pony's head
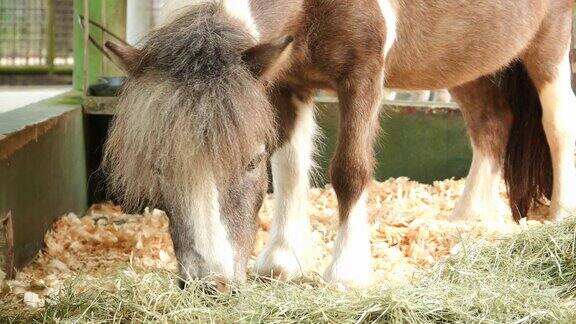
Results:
193 132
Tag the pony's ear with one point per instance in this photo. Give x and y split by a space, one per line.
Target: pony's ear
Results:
267 57
128 58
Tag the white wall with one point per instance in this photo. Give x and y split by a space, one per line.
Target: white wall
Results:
139 19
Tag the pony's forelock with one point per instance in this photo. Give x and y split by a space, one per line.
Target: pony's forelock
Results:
205 105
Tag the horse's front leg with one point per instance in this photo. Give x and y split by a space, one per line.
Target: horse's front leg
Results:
283 255
351 172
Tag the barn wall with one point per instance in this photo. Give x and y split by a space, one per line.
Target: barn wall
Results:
422 144
42 169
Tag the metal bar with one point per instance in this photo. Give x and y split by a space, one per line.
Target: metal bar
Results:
106 31
82 22
86 42
78 77
50 35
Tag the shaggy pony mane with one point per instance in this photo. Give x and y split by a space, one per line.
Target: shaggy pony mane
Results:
191 97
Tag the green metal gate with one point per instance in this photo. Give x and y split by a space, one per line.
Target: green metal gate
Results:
36 36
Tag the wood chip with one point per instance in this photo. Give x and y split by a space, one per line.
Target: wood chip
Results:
409 230
33 300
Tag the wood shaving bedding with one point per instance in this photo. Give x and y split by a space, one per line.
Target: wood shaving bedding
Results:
409 230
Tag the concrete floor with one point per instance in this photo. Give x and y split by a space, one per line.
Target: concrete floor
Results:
13 97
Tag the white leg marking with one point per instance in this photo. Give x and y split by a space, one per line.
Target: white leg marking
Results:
289 236
559 115
390 20
239 9
481 197
352 260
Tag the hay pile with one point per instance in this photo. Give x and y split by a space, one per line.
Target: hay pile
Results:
409 232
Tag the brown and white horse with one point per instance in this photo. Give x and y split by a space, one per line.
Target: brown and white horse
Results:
222 85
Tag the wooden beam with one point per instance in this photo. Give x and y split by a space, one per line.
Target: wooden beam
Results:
107 105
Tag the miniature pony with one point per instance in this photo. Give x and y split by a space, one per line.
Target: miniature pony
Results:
225 85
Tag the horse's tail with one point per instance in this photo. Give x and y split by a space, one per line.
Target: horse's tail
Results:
527 161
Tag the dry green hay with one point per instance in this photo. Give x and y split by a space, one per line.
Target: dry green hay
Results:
513 274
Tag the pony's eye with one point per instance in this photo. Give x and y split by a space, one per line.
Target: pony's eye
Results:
255 162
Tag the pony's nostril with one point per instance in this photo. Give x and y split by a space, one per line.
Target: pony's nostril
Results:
214 288
182 284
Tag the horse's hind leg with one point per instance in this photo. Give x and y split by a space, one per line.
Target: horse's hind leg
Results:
283 255
488 120
548 65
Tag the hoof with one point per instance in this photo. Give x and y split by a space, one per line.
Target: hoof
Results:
280 264
351 275
496 214
558 214
182 284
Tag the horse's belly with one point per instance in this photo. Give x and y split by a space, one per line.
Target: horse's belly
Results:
441 46
442 74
